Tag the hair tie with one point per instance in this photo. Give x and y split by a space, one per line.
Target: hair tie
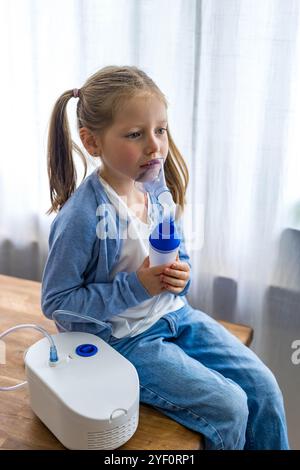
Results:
76 92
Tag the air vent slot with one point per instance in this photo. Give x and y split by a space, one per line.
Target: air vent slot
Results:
113 438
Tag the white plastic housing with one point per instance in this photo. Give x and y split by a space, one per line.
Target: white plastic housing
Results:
87 402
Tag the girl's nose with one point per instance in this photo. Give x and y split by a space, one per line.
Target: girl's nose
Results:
152 145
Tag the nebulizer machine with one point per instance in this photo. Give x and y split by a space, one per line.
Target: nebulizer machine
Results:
79 386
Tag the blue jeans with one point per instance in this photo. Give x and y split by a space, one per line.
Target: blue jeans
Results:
195 371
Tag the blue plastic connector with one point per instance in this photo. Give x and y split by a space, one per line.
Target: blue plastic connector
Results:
53 354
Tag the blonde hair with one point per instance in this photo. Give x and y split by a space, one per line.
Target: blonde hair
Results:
100 98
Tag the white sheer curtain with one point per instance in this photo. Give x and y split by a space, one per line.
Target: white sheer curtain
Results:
231 72
245 174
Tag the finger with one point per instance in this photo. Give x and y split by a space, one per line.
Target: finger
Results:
175 273
181 265
174 290
173 281
145 263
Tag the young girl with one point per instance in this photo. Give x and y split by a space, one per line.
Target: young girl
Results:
190 367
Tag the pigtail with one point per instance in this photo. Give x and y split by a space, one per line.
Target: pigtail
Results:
61 169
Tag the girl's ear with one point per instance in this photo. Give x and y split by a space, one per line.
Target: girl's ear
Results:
89 141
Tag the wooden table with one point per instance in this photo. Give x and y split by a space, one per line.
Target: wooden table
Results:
20 428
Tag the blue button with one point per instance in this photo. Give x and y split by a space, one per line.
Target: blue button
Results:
86 350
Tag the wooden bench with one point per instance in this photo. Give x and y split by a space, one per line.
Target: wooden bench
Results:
21 429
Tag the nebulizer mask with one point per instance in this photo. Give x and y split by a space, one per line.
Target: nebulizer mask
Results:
164 241
152 180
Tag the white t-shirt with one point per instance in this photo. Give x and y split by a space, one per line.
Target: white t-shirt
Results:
135 248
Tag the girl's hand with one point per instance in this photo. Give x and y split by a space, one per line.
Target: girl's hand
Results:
176 277
150 277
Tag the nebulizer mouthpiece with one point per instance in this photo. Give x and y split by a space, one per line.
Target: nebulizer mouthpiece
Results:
164 241
152 180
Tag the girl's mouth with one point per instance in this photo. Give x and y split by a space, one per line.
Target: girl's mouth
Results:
151 163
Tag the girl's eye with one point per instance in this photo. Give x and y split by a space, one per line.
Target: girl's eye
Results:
132 135
162 129
135 133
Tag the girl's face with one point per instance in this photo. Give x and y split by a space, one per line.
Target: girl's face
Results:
138 135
